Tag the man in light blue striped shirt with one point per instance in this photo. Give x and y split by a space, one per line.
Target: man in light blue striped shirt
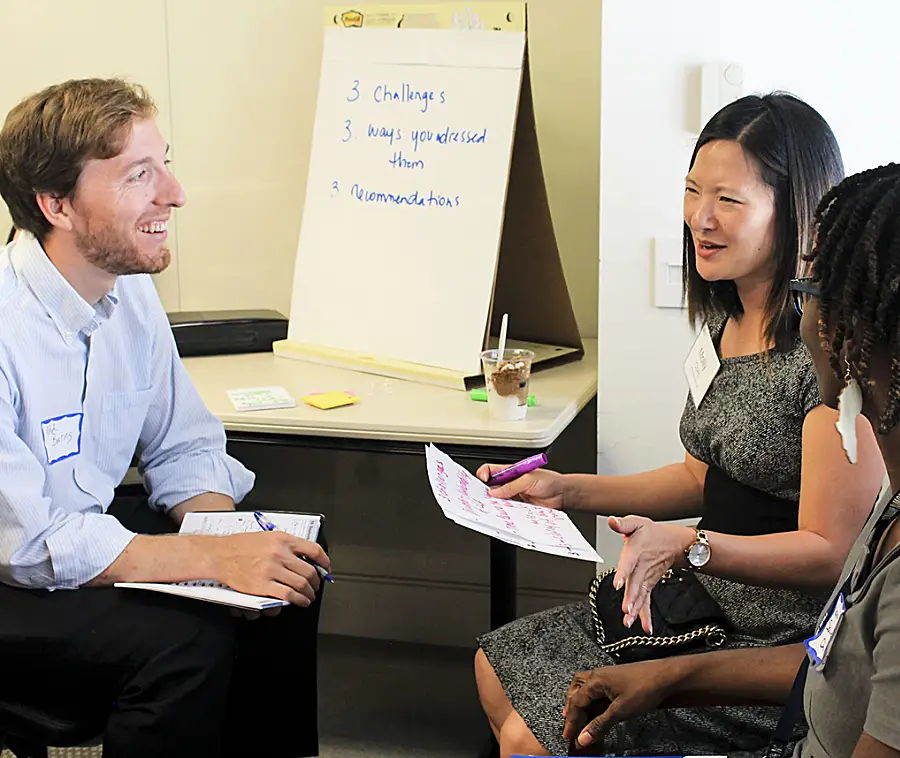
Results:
89 375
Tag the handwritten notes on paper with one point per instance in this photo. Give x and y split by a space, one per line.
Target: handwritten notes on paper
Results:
466 501
223 523
406 192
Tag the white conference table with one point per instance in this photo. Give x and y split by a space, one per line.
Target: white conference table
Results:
398 416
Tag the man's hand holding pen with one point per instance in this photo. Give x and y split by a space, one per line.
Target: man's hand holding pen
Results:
271 563
268 526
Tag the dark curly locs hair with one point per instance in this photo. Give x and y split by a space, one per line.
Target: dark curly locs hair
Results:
856 260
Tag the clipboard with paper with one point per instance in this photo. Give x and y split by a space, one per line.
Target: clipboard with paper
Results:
222 523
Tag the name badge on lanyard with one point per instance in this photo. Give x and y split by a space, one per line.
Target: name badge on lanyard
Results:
819 645
701 366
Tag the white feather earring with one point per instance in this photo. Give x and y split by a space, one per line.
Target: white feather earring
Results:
850 404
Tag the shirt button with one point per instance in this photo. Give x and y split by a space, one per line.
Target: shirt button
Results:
69 336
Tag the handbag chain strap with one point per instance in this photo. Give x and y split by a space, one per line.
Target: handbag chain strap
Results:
715 635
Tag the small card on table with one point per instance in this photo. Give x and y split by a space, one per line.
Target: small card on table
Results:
260 398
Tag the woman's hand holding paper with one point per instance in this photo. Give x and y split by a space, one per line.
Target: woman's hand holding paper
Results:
538 487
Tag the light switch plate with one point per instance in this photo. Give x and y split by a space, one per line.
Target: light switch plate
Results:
667 267
721 83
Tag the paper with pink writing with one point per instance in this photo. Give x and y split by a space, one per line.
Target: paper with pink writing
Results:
466 501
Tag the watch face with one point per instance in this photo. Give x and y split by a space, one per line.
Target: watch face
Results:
698 555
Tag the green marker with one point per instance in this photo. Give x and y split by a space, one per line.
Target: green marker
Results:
480 395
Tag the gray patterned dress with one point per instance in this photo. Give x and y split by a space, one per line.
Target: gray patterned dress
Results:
749 425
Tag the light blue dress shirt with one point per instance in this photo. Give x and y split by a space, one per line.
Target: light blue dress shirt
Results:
81 388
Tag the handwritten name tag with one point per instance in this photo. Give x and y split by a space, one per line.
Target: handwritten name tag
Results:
62 436
701 366
819 645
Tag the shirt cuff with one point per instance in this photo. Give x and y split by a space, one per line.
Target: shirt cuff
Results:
187 476
80 549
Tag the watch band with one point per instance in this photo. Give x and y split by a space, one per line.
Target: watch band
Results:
701 539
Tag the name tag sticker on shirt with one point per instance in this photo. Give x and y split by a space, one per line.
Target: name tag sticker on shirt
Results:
701 366
819 645
62 436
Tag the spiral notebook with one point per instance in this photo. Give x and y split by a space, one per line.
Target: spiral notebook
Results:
305 525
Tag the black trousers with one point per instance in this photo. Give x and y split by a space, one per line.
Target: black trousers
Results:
168 676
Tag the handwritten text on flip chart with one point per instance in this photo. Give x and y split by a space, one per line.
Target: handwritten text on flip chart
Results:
406 134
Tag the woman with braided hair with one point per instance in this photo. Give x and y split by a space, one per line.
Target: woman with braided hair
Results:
764 468
851 325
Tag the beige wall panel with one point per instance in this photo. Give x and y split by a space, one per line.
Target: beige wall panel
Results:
244 88
564 43
244 84
45 43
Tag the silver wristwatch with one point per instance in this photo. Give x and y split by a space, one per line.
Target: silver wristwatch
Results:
699 552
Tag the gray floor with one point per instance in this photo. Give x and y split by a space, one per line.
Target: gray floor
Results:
397 700
388 700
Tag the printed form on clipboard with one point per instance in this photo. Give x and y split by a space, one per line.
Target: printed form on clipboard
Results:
465 500
223 523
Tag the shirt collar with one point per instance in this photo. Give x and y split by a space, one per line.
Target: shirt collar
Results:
70 312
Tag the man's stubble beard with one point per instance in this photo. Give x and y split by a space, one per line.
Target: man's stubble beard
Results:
109 253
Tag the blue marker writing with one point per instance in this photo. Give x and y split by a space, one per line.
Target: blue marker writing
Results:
407 94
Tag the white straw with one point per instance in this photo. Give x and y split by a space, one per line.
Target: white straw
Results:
501 346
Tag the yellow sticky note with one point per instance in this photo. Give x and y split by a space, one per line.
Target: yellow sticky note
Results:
326 400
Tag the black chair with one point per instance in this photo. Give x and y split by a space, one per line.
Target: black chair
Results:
28 733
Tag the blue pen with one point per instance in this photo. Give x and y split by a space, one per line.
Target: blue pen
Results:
268 526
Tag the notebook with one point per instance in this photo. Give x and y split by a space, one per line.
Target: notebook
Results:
305 525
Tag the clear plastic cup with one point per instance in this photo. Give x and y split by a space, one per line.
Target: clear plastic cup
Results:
506 380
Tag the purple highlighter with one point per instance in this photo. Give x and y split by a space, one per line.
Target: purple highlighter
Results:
509 473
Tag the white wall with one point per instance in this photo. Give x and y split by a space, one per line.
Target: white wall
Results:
841 58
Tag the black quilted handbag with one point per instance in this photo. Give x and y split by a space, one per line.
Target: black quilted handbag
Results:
685 619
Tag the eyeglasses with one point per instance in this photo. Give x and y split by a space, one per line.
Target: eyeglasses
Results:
802 290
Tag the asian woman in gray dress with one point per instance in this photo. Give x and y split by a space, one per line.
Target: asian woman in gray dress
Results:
851 324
